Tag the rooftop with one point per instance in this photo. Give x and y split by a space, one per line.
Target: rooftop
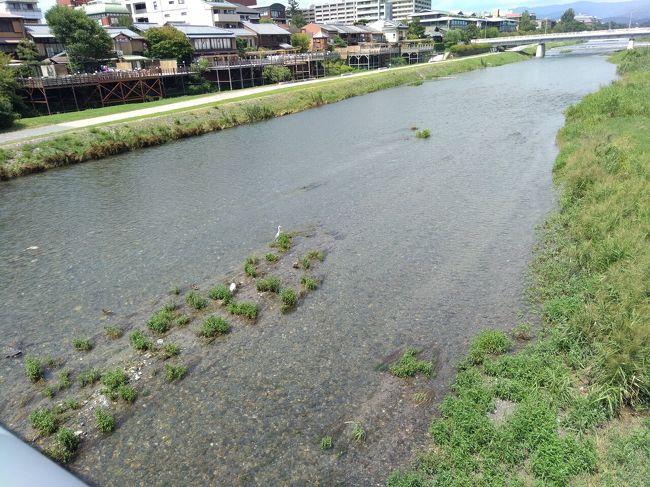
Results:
266 29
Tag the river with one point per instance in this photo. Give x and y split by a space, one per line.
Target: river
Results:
433 240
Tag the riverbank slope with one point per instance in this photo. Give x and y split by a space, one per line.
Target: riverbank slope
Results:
95 143
570 408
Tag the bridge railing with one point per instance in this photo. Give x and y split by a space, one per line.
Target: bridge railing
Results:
587 34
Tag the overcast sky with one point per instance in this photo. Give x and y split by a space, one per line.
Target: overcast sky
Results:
478 5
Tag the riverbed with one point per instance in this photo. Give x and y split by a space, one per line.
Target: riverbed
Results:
432 242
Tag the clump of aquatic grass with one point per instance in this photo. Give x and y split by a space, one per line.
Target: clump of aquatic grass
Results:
89 377
242 308
315 254
326 443
52 362
174 372
82 344
271 257
182 320
175 290
66 445
162 320
270 283
220 292
140 341
105 420
358 432
305 262
423 134
283 242
71 403
409 366
48 392
196 301
250 266
113 379
113 332
309 282
64 380
127 393
43 420
488 342
421 397
522 331
33 369
169 306
289 299
213 326
171 350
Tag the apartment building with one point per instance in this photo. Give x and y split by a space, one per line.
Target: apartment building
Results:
351 11
27 10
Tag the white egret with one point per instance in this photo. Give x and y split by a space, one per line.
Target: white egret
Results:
279 232
233 287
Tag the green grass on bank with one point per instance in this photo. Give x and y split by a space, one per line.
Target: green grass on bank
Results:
96 142
572 408
57 118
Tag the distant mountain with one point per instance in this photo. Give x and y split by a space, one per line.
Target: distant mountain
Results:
615 11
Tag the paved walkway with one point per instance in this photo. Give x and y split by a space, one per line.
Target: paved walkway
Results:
36 132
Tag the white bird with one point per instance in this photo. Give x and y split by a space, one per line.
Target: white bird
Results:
233 287
279 232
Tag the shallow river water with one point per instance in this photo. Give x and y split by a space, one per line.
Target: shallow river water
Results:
433 238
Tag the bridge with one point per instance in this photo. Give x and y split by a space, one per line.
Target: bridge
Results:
542 39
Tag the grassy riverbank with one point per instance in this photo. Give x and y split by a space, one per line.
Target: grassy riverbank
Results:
95 143
571 408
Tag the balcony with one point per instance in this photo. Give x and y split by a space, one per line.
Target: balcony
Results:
222 18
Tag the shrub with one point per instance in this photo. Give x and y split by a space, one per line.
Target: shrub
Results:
127 392
169 306
271 257
43 420
170 350
182 320
409 366
289 299
249 310
488 342
89 377
113 332
358 432
105 420
316 255
220 292
309 282
33 369
305 262
213 326
161 321
283 242
140 341
174 372
114 378
175 290
196 301
470 49
272 284
82 344
66 446
64 380
522 331
276 74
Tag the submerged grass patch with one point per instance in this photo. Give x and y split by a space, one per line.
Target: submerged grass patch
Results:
213 326
33 369
409 366
289 299
82 344
162 320
113 332
44 421
196 301
220 292
423 134
104 420
174 372
270 283
309 282
89 377
140 341
247 309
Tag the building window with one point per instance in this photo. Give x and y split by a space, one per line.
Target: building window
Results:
155 5
171 2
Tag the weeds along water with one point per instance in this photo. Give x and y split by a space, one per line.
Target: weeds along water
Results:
571 407
68 402
96 143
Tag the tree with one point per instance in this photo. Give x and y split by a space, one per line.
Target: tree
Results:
298 20
452 37
339 42
361 22
526 24
415 30
568 16
492 32
293 8
471 32
300 42
274 73
10 102
168 43
266 20
241 45
85 41
568 23
27 52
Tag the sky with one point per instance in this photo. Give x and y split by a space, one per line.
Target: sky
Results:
473 5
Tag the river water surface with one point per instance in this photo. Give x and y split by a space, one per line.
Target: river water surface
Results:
433 238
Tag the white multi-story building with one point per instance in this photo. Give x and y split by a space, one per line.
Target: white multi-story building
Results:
192 12
25 9
351 11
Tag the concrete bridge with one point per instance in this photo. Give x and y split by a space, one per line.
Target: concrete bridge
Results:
542 39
